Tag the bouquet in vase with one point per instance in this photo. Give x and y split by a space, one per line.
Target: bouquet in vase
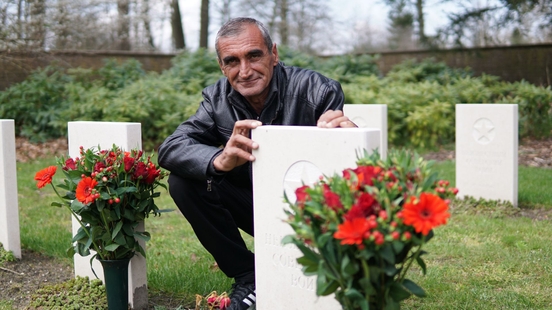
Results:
360 232
109 192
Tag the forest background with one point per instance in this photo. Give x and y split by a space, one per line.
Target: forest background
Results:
315 27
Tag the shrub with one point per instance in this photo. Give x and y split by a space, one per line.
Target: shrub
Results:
412 71
36 103
420 96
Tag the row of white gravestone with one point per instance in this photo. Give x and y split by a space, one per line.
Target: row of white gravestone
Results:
486 167
9 213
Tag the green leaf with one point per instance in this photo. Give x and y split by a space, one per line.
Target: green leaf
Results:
388 254
397 292
76 206
112 247
56 204
421 263
125 189
309 254
310 270
116 230
325 287
349 267
81 234
142 236
120 239
367 286
391 304
414 288
305 261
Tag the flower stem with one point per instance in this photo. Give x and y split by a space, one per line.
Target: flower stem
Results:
414 257
79 220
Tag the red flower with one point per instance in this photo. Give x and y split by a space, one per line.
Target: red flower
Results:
353 213
44 176
366 174
224 302
425 214
84 190
98 167
364 206
352 232
129 163
302 195
69 164
140 171
332 199
152 174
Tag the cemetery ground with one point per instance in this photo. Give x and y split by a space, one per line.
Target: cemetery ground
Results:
463 253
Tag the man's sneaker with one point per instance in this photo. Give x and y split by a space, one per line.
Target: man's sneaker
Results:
242 296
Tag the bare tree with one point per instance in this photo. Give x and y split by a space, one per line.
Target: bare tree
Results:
499 22
147 23
204 24
284 22
405 17
123 30
300 24
177 27
401 25
224 10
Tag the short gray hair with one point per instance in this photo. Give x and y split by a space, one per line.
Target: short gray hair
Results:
235 26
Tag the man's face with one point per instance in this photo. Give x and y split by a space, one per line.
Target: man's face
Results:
247 63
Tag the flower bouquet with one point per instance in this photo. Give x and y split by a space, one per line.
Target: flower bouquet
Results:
109 192
361 232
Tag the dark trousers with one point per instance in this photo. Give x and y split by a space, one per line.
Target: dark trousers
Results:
215 214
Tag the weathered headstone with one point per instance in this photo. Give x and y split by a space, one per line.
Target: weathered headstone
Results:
9 207
283 164
370 116
104 134
487 151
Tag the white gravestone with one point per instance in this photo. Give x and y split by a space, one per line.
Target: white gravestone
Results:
104 134
289 156
9 207
487 151
370 116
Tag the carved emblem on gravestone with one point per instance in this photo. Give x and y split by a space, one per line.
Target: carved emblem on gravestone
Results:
298 174
483 131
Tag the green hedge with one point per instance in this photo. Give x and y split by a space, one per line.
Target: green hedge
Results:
421 96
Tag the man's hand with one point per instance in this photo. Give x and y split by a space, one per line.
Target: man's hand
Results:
333 119
238 149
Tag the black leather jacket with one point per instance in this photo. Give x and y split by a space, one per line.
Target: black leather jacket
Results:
297 97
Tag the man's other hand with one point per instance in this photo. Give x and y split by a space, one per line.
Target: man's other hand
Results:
334 119
238 149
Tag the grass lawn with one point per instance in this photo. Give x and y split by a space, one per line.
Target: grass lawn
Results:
480 260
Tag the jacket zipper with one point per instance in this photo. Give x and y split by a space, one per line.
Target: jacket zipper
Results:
209 185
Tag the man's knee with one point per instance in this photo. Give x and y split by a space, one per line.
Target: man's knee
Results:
181 188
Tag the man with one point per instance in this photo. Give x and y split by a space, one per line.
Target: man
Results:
210 154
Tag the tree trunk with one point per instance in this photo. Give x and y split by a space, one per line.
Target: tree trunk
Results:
123 33
284 23
225 11
20 19
204 24
177 27
37 31
147 25
421 22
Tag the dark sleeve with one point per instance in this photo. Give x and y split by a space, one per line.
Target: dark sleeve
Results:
189 151
332 97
